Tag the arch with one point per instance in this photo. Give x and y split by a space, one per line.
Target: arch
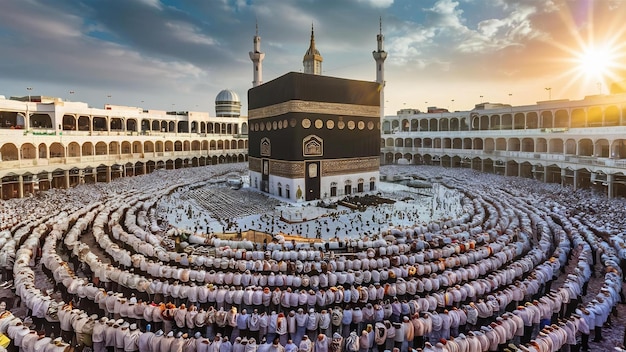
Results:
163 127
556 146
9 152
69 123
546 119
570 147
561 119
241 144
514 145
618 149
145 125
437 143
73 150
131 125
101 148
171 126
424 124
454 124
87 149
127 147
169 146
585 147
395 126
457 143
405 125
444 125
57 150
477 144
182 127
386 126
501 144
28 151
447 143
148 147
195 145
541 145
347 189
84 123
428 142
519 121
399 142
233 144
156 126
159 147
527 145
213 145
414 125
244 128
99 123
114 148
467 143
494 122
40 121
116 124
601 148
484 123
506 122
490 145
178 146
417 142
433 125
220 144
205 145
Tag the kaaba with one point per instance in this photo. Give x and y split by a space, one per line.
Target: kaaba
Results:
313 137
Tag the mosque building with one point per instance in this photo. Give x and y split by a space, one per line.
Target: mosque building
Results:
46 142
579 143
314 136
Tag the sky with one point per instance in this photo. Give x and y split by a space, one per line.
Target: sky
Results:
179 54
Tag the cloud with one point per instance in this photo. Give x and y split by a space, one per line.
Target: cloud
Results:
376 3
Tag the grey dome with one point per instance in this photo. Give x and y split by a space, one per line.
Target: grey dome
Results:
227 104
227 95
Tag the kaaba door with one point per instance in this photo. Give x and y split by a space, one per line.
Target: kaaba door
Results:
265 176
312 180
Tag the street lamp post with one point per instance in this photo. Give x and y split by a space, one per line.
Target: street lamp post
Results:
549 89
71 92
29 89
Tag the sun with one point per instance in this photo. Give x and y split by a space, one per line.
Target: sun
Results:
596 63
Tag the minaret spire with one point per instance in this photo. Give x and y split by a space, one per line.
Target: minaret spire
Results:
312 59
380 55
257 59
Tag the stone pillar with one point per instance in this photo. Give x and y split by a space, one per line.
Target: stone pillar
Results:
610 179
144 168
575 179
67 179
108 174
50 180
563 173
20 186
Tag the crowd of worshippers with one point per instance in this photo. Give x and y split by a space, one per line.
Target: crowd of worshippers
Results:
504 299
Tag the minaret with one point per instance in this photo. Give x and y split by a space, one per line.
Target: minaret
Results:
312 59
380 55
257 58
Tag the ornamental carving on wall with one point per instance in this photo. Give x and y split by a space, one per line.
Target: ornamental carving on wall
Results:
312 145
266 147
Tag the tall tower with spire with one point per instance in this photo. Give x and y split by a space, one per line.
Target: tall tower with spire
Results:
257 59
312 59
380 55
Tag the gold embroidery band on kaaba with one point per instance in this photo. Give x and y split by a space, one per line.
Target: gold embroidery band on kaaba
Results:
315 108
296 169
349 166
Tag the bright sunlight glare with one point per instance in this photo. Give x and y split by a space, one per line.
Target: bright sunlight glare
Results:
596 63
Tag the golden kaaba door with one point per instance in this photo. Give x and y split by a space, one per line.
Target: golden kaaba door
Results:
312 180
